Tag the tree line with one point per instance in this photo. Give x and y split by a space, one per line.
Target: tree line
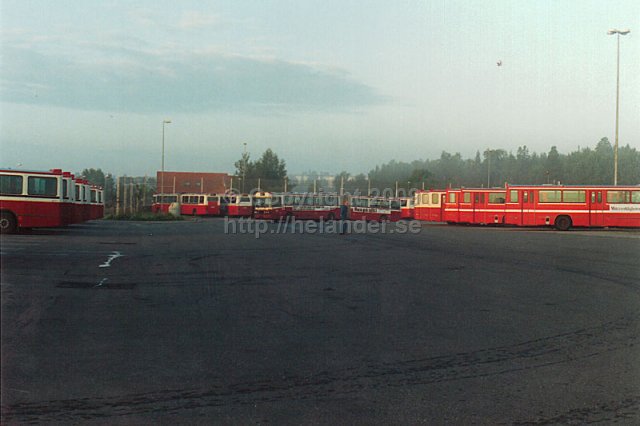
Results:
492 167
495 167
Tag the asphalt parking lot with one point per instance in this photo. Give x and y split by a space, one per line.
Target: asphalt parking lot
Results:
131 323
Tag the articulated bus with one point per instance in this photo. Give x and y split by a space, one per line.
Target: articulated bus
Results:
376 209
429 205
34 199
236 205
560 206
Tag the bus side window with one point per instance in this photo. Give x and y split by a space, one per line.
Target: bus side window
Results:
599 196
525 197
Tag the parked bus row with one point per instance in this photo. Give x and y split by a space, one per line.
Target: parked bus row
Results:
535 205
278 206
46 199
560 206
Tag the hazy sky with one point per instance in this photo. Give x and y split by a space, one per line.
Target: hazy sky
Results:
328 85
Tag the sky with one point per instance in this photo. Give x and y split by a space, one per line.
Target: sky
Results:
329 85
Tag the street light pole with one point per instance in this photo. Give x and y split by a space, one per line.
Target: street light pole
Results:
244 167
162 175
618 33
489 151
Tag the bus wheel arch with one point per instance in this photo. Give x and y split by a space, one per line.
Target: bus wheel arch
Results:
8 222
563 223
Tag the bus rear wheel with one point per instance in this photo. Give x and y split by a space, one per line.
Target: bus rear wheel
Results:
8 223
563 223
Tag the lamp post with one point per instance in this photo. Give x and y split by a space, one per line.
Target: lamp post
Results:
618 33
162 175
489 151
244 167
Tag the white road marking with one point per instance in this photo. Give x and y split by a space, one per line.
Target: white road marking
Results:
102 281
114 255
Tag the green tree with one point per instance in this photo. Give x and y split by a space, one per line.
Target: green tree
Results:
269 166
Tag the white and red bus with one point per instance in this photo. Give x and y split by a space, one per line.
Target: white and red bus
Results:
377 209
200 204
237 205
96 203
573 206
475 206
270 206
81 201
310 206
32 199
161 202
407 208
429 205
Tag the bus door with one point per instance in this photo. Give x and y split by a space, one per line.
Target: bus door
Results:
528 210
596 208
440 214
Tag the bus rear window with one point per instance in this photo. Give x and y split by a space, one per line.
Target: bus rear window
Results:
513 196
635 196
10 185
42 186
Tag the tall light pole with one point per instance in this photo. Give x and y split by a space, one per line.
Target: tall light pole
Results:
244 167
615 146
162 175
489 151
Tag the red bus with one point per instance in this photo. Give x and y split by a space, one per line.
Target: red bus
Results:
429 205
32 199
161 202
475 206
270 206
573 206
376 209
236 205
310 206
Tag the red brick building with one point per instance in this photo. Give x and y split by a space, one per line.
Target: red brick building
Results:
192 182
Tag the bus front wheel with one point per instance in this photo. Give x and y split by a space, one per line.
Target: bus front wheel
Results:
563 223
8 223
